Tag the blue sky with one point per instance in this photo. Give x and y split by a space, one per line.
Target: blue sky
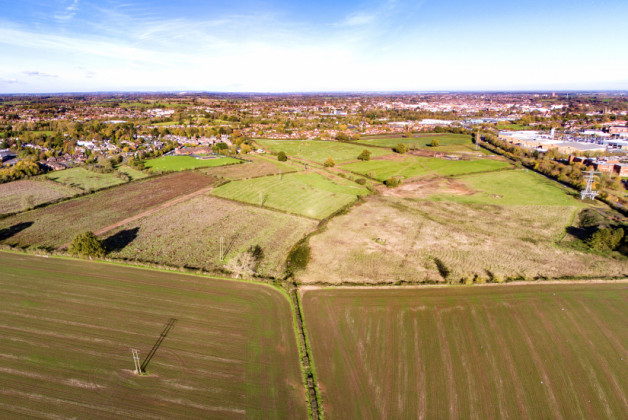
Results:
281 45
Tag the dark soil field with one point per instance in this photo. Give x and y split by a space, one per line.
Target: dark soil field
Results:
67 328
524 351
56 225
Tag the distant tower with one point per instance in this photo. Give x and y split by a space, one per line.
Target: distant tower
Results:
588 190
553 132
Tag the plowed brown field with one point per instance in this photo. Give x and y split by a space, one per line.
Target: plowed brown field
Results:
56 225
531 351
67 328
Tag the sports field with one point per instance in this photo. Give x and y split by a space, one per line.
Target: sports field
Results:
20 195
181 163
307 194
56 225
412 166
84 179
532 351
318 151
188 235
67 328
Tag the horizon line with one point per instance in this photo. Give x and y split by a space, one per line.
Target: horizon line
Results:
315 92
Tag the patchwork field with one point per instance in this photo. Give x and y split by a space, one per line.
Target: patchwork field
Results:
56 225
67 328
412 166
20 195
532 351
84 179
391 239
259 166
318 151
180 163
189 233
308 194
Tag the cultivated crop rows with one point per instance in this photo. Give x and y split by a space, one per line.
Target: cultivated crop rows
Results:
56 225
67 328
555 351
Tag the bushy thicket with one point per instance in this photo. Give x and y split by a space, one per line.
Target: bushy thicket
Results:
86 244
393 182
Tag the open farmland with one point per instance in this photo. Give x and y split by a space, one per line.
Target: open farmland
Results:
56 225
189 233
531 351
308 194
181 163
20 195
259 166
391 239
67 328
318 151
84 179
412 166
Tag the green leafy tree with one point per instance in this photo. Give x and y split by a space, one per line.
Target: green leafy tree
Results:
392 182
365 155
400 148
281 156
606 239
342 137
86 244
329 163
435 143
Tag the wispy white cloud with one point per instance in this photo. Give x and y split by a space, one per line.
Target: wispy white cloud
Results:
68 12
39 74
357 19
377 46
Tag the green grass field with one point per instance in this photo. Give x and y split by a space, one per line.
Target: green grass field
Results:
67 328
420 142
21 195
319 151
517 187
188 235
259 166
410 167
535 351
134 174
306 194
166 123
181 163
84 179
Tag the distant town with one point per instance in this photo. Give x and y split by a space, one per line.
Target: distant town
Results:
41 133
